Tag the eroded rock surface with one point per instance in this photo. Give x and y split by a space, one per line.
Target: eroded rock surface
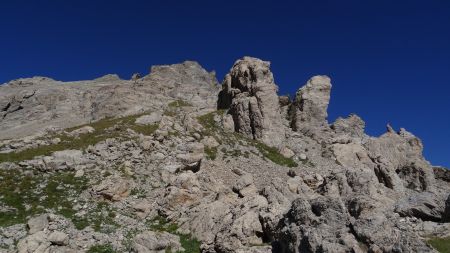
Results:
263 175
250 94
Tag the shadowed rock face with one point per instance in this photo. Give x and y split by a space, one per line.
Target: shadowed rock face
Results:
324 188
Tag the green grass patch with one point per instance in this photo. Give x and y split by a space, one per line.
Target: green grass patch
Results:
101 248
272 154
104 129
440 244
189 243
27 195
100 218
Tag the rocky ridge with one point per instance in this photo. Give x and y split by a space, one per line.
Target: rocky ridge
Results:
169 162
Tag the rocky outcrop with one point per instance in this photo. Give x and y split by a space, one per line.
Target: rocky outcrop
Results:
44 102
402 153
352 126
309 109
250 94
155 181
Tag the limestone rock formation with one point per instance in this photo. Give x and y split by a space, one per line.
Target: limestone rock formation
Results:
166 171
310 106
250 94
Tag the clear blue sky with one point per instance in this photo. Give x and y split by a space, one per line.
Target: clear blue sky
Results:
389 60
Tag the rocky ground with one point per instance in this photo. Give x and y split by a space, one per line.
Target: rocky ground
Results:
169 162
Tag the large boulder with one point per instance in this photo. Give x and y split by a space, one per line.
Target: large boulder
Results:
309 110
250 94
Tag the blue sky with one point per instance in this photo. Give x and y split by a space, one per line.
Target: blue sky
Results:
389 60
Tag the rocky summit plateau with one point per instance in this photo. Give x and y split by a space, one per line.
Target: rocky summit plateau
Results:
175 162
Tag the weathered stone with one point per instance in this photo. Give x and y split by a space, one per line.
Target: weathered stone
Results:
82 130
149 119
310 105
38 223
352 126
58 238
250 94
152 242
286 152
112 188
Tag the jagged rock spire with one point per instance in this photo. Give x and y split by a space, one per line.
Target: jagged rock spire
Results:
250 94
309 110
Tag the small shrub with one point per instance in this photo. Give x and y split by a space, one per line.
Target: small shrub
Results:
211 153
101 248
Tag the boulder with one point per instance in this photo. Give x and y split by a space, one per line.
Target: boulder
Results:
58 238
81 131
156 242
37 223
149 119
112 188
287 152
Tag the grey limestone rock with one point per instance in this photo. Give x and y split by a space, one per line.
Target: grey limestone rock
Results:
309 109
250 94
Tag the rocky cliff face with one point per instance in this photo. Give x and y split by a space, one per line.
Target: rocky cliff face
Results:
151 165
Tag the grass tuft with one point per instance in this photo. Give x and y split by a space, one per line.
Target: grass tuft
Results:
211 153
189 243
101 248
